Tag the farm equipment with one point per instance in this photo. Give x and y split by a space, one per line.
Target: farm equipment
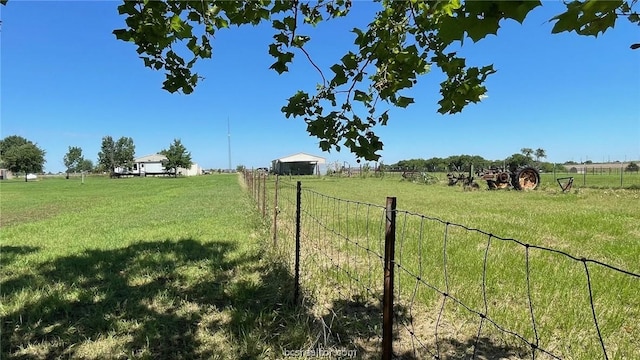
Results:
523 178
419 177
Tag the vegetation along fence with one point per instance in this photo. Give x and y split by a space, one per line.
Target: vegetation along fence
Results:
397 284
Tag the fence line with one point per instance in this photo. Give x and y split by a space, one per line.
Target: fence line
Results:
339 242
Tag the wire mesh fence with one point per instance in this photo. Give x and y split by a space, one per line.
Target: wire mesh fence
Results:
455 291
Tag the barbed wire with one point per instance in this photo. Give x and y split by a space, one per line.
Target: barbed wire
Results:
344 241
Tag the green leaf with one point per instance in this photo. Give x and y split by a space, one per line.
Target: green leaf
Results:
350 61
566 21
517 10
281 6
279 66
361 96
296 105
340 77
124 35
384 118
404 101
281 38
300 40
324 145
479 29
450 30
286 57
221 23
128 7
193 46
194 16
176 23
274 50
290 22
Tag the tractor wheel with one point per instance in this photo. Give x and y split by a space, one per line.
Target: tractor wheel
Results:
526 179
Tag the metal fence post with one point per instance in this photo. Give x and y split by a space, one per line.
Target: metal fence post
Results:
275 214
389 264
296 291
264 195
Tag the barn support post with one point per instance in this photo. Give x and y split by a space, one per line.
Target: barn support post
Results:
389 264
296 291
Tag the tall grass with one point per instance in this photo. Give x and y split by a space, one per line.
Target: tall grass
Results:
598 224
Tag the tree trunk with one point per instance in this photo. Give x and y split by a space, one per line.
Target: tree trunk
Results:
25 177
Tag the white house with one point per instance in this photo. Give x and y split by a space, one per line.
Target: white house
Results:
151 165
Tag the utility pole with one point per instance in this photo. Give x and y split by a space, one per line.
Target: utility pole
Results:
229 142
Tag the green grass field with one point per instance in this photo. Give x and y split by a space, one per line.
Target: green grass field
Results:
185 268
599 224
145 268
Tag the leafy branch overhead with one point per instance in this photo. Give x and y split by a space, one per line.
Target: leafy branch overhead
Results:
404 40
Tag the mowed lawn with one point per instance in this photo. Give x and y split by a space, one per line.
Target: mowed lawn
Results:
151 268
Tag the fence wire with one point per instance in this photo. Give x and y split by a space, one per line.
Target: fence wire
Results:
460 292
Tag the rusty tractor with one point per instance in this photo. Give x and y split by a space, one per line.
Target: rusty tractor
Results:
522 178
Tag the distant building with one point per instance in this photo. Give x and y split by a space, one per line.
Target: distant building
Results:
194 170
297 164
152 165
149 165
5 174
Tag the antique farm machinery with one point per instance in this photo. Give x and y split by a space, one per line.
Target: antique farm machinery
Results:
521 178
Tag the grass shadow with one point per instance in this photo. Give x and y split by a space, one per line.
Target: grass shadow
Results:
8 254
163 299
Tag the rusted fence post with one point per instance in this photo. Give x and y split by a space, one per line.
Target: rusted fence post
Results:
296 291
256 195
275 214
264 195
389 264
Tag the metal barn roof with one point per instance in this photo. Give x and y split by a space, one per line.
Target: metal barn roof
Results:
302 157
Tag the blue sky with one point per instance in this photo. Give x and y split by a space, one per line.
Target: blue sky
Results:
66 81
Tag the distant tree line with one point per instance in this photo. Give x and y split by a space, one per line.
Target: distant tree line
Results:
526 157
22 156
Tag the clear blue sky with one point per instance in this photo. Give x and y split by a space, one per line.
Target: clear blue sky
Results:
66 81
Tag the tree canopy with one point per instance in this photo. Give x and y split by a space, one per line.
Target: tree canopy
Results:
114 154
85 165
20 155
177 157
403 41
72 159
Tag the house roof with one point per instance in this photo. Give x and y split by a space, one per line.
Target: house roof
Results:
302 157
150 158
